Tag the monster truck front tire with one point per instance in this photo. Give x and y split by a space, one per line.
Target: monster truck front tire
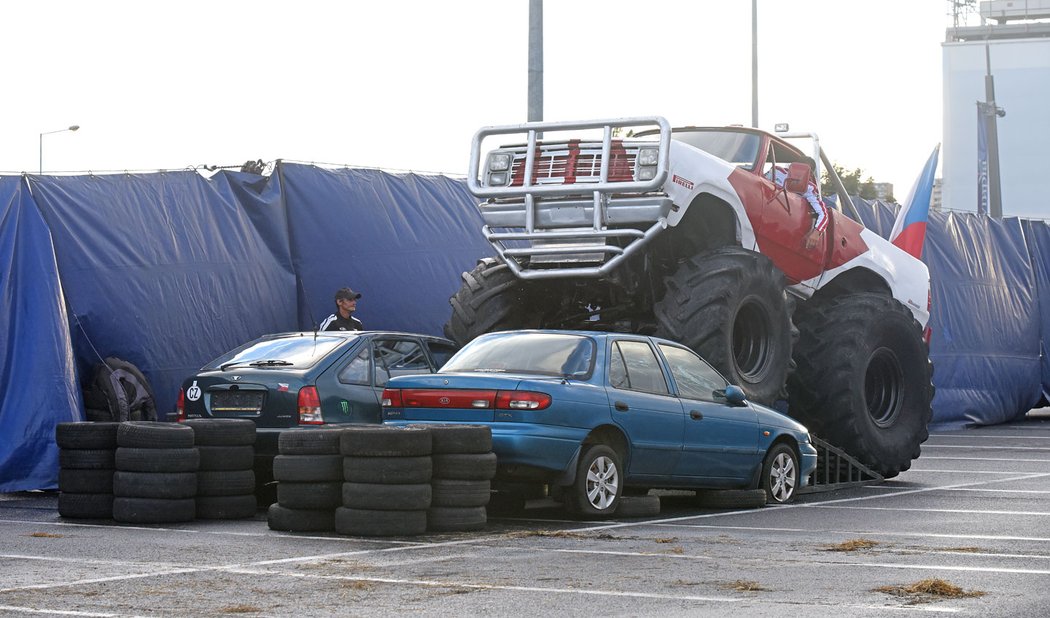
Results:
490 299
729 305
864 379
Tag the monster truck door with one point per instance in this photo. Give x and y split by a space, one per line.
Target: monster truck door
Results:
786 219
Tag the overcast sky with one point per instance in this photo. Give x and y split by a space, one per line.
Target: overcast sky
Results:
404 84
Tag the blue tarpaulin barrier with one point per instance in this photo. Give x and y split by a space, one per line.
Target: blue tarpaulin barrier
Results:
169 270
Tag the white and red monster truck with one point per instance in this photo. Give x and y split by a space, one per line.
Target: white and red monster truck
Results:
684 234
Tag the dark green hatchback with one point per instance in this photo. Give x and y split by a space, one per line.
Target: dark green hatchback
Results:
302 379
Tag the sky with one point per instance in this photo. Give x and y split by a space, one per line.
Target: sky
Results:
404 84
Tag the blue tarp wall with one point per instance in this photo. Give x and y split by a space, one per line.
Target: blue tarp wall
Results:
169 270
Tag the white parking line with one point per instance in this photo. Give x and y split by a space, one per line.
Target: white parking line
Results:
929 510
971 447
54 612
1010 459
824 532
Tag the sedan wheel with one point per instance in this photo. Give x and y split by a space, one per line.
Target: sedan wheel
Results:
596 492
780 474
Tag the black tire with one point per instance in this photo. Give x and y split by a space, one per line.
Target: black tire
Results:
299 520
459 438
222 431
153 510
452 492
85 506
368 522
153 434
595 494
320 441
491 298
86 435
729 305
157 459
166 485
85 481
98 415
389 470
310 495
308 468
148 411
86 459
465 466
638 506
864 379
456 519
212 483
226 457
226 507
780 474
731 498
380 497
385 441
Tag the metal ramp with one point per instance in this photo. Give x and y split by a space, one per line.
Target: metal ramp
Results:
836 469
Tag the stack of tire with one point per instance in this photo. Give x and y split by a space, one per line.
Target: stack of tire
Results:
464 466
226 475
309 475
156 473
387 472
85 474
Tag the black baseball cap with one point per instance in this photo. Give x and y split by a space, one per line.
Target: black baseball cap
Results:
346 293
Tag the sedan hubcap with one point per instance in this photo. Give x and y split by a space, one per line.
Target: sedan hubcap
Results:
782 477
603 480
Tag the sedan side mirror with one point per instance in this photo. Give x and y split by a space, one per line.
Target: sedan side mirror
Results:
735 395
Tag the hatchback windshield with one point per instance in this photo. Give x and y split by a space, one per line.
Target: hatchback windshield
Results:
535 353
298 351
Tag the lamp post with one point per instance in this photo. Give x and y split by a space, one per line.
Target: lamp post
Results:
69 128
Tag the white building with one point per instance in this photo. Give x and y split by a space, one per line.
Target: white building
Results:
1014 36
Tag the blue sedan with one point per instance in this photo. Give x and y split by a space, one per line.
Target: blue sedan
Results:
597 413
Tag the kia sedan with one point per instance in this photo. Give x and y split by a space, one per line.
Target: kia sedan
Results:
594 414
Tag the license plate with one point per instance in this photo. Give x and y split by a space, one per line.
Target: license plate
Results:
236 402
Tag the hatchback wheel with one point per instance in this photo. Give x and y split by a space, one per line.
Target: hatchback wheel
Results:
780 474
599 483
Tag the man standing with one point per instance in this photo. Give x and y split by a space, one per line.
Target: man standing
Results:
343 319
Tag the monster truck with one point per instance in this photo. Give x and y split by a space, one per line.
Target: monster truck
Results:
629 225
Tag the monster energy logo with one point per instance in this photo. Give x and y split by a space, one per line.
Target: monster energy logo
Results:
346 406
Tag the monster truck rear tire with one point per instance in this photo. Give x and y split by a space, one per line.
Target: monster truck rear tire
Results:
490 299
729 305
864 379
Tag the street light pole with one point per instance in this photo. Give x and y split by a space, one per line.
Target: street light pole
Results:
69 128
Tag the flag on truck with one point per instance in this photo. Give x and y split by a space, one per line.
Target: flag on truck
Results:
909 230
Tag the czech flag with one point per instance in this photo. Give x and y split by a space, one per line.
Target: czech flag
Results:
909 230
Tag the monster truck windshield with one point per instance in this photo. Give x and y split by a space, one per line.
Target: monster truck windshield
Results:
736 147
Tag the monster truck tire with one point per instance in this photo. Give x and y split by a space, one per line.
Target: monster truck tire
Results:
729 305
226 507
389 470
370 522
490 299
86 435
299 520
864 379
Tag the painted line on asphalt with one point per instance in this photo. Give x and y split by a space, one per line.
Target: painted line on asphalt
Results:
917 535
965 489
55 612
972 447
991 436
1010 459
932 510
947 567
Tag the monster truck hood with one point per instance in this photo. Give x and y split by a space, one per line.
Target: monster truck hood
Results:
692 171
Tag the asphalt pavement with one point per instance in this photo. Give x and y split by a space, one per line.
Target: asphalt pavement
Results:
963 532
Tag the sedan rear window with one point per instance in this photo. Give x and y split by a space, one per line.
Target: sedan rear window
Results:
548 354
298 352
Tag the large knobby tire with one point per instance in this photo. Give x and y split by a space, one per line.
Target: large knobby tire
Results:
864 379
490 299
596 492
780 474
729 305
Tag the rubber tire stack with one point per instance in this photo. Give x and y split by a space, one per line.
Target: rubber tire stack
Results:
309 475
464 466
387 490
85 474
156 473
226 475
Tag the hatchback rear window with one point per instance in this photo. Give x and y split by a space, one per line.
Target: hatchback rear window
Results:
548 354
299 352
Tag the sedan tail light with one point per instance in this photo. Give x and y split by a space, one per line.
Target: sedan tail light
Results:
310 406
180 406
522 400
391 398
465 399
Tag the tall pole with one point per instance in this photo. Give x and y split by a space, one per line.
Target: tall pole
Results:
754 63
991 117
535 60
